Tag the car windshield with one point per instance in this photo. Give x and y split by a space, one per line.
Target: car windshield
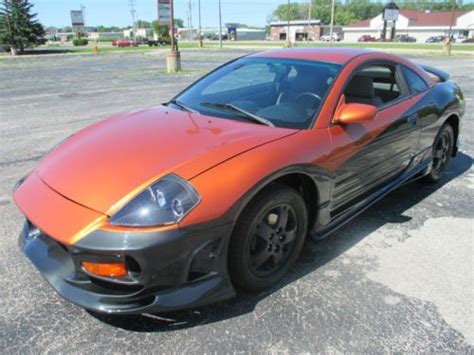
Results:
273 91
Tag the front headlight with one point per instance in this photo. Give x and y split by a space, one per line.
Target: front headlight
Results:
19 183
166 201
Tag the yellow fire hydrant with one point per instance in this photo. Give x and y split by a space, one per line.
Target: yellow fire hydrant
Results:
447 46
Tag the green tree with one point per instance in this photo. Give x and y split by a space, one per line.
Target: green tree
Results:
349 11
65 29
19 27
178 23
143 24
162 31
296 12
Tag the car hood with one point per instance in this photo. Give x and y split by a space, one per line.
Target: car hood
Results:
106 164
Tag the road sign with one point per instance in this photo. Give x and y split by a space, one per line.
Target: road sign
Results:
77 20
164 12
391 12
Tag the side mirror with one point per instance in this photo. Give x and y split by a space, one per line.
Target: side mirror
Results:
355 113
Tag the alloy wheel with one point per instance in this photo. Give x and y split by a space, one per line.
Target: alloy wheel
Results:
272 240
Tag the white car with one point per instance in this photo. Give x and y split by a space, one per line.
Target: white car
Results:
336 37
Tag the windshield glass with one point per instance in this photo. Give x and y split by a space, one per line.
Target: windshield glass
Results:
272 91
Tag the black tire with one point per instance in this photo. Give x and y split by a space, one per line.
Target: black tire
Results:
442 151
265 243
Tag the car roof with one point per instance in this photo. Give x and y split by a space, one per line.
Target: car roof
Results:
322 54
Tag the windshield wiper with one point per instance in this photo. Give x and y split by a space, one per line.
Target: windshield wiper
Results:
182 106
232 107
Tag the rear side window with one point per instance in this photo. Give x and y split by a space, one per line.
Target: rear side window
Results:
414 81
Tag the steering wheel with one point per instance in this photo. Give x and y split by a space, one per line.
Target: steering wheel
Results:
312 94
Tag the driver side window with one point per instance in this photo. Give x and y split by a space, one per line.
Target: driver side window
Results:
374 85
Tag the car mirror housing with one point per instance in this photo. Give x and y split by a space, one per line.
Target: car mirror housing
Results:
355 113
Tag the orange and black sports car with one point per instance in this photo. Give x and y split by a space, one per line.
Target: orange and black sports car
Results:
174 206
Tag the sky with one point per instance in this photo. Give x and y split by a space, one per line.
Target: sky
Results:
117 12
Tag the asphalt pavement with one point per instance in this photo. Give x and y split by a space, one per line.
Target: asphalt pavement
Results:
397 278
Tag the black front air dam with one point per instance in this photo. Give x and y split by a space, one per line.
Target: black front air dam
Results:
178 268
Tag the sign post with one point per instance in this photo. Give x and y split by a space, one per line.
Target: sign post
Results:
390 14
77 21
166 17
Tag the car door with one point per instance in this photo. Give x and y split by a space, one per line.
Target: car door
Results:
369 155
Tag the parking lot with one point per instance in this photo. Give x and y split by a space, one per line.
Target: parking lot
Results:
397 278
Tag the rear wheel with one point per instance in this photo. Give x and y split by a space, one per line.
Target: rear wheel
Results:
442 152
268 238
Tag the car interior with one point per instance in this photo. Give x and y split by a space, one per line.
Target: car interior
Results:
373 85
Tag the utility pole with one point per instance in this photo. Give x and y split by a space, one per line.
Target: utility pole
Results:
288 41
199 18
447 42
309 17
190 20
220 25
331 26
132 11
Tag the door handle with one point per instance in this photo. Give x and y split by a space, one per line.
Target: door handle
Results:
412 119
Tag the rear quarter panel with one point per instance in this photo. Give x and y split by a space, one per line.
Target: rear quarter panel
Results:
442 101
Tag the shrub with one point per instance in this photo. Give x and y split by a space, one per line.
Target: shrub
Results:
80 42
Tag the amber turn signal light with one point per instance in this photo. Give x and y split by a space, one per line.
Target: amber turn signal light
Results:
105 269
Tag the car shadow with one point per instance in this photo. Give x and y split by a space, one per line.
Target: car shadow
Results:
390 209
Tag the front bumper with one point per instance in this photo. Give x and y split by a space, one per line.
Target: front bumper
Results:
169 270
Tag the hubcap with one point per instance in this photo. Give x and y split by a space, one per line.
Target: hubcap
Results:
272 240
441 152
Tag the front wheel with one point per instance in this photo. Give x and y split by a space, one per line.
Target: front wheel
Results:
442 151
268 238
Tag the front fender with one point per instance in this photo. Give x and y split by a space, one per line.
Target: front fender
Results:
227 188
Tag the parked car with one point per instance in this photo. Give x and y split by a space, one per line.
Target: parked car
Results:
125 43
176 206
336 37
366 38
405 38
157 43
435 39
459 39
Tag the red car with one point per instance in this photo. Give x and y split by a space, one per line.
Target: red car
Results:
125 43
175 206
366 38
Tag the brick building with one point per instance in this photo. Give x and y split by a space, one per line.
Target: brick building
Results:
300 30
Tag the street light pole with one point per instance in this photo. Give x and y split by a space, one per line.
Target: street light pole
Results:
220 25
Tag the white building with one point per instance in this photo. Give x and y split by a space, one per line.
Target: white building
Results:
104 36
142 33
415 23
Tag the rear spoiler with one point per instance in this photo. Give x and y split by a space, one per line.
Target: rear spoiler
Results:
438 74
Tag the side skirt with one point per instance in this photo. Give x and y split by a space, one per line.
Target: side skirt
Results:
421 170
